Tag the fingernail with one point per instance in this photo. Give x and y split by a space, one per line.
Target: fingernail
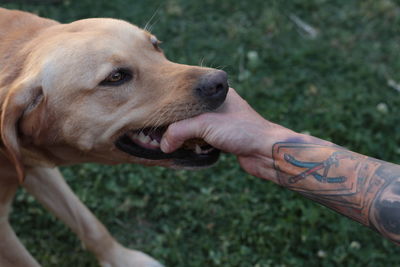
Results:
164 146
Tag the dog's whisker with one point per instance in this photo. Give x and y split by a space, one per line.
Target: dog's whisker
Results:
201 63
155 120
220 67
148 26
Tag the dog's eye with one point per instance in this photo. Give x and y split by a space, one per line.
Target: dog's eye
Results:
117 77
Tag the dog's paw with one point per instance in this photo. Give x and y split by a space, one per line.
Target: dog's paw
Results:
123 257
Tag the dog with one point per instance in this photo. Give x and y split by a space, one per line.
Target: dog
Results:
94 90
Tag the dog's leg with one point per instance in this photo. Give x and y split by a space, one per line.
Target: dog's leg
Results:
49 188
12 252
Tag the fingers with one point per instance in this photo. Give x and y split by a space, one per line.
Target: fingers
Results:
200 126
178 132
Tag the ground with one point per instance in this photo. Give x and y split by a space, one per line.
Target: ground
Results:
328 68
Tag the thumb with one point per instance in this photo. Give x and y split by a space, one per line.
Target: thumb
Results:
178 132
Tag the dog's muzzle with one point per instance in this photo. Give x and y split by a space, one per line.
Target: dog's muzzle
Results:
211 91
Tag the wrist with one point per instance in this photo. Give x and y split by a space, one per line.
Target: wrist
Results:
273 134
260 162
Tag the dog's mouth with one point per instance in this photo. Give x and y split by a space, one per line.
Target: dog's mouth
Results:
145 143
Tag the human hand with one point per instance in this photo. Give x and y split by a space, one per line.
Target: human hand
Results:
234 128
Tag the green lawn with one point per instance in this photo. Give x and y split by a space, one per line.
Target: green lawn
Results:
333 85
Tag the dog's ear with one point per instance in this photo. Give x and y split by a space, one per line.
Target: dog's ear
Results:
21 98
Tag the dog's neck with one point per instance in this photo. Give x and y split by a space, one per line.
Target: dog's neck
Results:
17 29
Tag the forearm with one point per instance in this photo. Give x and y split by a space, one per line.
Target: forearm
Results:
365 189
362 188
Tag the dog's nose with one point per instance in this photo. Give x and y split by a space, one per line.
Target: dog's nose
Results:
212 88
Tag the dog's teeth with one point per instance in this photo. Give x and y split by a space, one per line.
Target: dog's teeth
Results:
133 135
155 143
208 150
198 149
144 138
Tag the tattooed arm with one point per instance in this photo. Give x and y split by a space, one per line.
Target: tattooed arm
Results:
364 189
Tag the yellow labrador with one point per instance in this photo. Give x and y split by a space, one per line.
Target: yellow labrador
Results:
95 90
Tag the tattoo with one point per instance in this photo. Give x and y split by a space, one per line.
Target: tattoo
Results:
312 168
365 189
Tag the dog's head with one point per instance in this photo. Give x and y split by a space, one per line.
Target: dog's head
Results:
101 90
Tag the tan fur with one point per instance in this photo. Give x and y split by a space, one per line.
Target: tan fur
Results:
53 112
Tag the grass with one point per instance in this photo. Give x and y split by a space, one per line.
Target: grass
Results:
334 86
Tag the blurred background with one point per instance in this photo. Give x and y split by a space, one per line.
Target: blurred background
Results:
327 68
